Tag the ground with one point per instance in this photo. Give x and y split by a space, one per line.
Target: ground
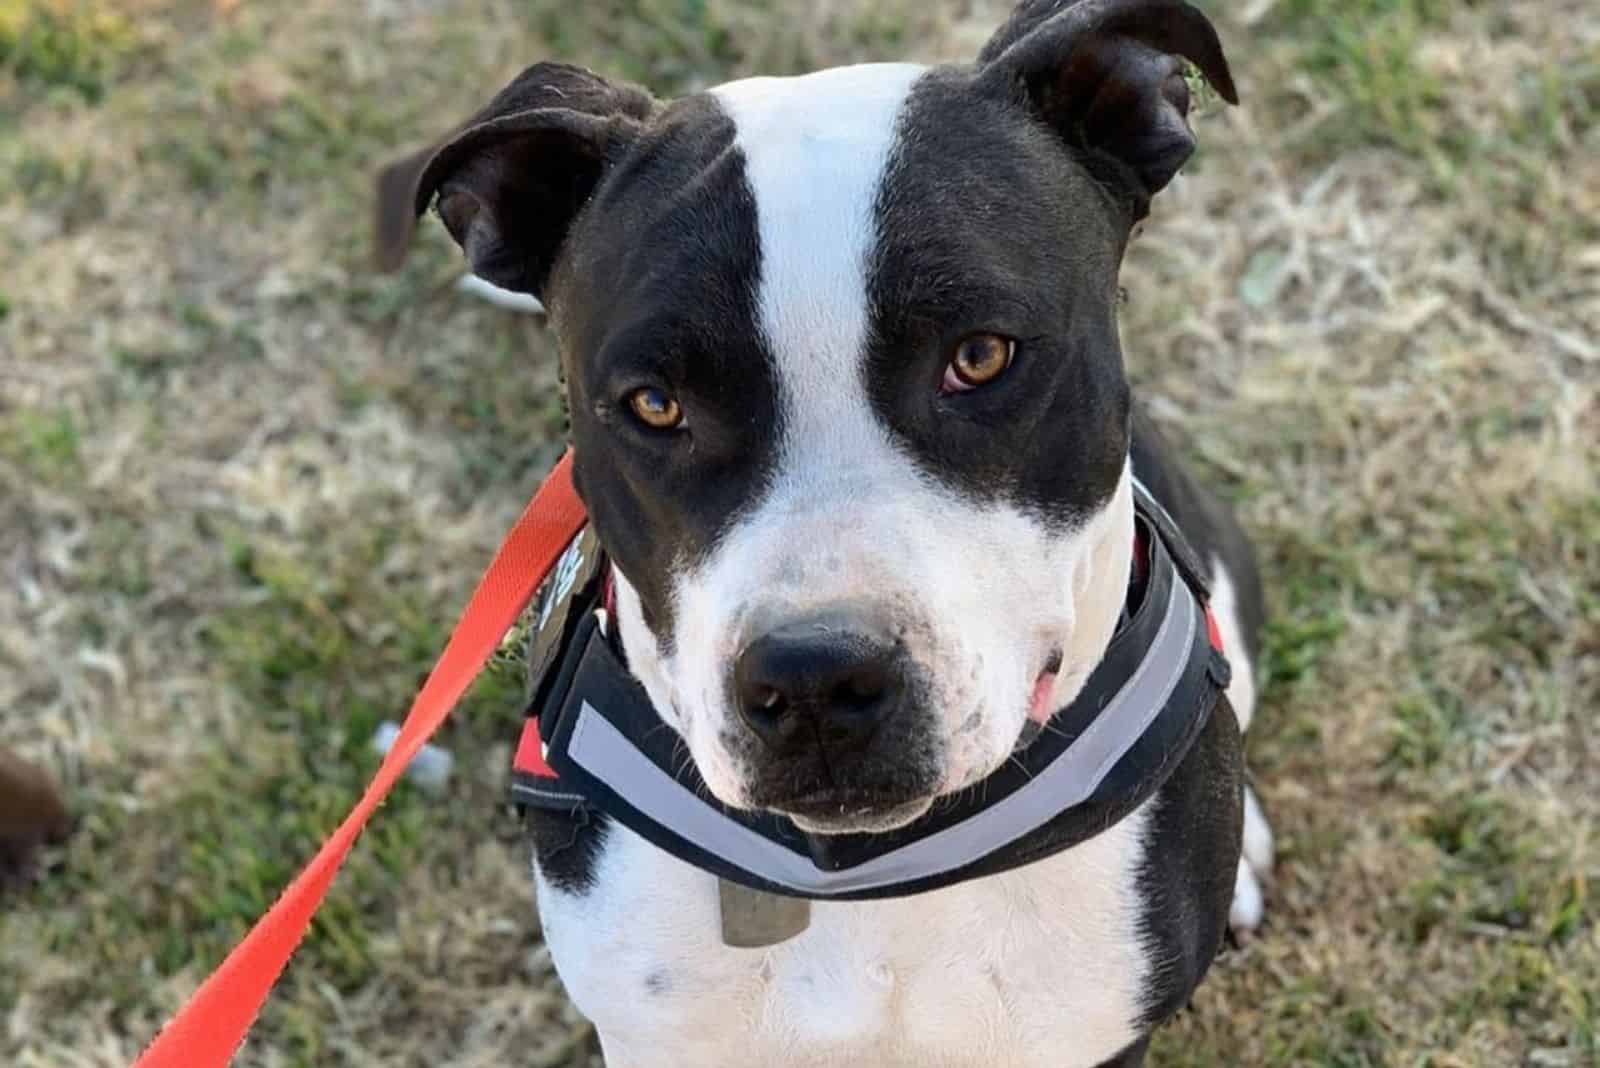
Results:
248 483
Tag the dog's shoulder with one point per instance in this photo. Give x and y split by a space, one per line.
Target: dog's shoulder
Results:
1208 525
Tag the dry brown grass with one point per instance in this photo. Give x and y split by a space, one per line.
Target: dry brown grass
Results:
247 485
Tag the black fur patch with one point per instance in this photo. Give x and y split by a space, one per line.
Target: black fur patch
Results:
658 288
987 223
1190 860
567 847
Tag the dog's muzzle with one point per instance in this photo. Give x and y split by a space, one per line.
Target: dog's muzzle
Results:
833 734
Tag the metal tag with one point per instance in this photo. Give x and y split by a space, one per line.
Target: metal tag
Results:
752 919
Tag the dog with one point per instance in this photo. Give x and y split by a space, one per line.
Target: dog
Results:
850 420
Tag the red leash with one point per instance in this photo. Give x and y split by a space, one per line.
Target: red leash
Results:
209 1029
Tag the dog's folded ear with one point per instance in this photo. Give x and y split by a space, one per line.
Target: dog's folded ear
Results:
396 216
1108 76
513 177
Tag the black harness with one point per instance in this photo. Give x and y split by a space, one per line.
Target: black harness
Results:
593 740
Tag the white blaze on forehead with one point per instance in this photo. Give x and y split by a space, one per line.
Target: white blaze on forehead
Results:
815 150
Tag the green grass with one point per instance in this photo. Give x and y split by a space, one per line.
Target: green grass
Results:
44 442
1395 74
64 45
1365 54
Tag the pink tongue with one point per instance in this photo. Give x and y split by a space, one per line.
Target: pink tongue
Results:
1039 710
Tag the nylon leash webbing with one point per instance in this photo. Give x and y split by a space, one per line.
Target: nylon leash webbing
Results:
209 1029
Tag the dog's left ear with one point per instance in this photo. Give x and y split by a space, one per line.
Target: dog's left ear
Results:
1108 76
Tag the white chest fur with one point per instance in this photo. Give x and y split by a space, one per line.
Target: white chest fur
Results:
1038 967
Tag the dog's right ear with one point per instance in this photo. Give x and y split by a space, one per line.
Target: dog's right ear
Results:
510 182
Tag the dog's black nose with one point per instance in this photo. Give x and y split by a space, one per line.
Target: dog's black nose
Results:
824 681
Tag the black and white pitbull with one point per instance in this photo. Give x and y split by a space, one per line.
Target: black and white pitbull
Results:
850 418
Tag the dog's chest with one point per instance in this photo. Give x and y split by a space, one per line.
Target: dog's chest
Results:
1041 966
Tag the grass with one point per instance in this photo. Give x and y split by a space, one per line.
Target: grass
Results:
248 483
59 44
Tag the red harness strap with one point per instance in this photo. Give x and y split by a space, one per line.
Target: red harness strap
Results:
209 1029
529 758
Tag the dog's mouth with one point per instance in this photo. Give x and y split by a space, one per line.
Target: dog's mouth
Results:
1039 706
872 805
853 812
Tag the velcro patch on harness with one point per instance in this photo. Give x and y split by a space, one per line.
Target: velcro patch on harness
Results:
561 605
570 591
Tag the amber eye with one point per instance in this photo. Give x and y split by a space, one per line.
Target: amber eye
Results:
656 408
978 360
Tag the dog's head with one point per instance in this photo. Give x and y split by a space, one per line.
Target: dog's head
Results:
847 399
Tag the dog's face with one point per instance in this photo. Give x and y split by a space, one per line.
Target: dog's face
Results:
847 400
875 313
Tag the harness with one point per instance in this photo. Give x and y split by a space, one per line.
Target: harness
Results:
593 742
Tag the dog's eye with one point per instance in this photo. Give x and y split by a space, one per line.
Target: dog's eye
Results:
978 360
656 408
